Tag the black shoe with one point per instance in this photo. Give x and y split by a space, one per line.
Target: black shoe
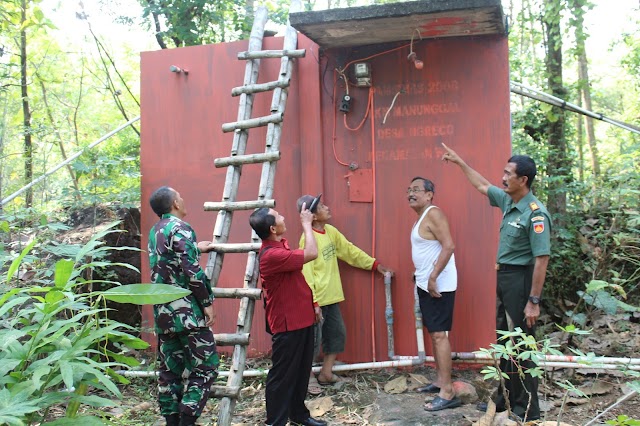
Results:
482 406
310 422
173 420
186 420
430 388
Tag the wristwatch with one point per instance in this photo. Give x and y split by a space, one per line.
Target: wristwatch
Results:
534 299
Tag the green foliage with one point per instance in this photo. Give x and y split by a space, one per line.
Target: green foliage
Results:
623 420
57 347
145 294
195 22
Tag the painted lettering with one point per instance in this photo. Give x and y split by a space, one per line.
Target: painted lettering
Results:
390 133
431 131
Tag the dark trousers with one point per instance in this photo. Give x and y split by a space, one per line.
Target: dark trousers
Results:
514 287
288 378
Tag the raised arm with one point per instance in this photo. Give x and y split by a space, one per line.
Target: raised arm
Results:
310 245
476 179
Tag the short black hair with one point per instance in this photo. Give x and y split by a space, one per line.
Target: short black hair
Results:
162 199
261 222
525 166
428 185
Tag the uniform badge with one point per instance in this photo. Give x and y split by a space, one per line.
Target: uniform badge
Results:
538 227
537 219
534 206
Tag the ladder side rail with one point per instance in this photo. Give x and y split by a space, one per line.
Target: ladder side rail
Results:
223 219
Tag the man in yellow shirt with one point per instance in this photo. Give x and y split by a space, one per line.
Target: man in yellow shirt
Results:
323 276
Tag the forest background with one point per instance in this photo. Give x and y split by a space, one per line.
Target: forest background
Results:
69 74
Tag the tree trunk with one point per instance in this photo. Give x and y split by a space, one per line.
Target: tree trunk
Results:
26 112
558 164
74 180
585 85
580 139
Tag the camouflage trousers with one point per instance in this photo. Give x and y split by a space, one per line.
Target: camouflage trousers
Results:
188 368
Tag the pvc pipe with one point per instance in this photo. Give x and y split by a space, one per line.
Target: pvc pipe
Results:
388 312
67 161
407 361
538 95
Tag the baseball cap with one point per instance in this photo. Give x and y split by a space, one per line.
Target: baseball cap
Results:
310 201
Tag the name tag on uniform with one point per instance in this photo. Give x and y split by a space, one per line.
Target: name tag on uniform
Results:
515 224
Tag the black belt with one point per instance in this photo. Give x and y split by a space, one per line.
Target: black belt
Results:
503 267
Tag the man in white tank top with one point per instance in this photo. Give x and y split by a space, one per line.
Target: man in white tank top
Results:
436 280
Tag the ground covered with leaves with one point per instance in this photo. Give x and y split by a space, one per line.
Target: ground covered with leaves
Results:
388 397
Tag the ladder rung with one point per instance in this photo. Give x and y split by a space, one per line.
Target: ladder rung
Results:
214 206
260 54
236 247
225 391
253 122
262 87
226 339
237 160
237 293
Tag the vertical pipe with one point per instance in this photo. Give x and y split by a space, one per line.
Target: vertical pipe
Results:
388 312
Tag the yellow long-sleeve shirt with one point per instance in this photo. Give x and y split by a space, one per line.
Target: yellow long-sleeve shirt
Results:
322 274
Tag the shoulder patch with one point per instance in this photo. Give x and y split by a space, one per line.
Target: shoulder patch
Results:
538 227
534 206
537 219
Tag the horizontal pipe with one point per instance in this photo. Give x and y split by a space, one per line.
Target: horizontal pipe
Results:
406 361
68 160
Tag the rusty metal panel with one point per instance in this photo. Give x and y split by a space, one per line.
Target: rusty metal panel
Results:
460 97
360 186
182 117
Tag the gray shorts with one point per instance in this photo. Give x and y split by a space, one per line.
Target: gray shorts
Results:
331 331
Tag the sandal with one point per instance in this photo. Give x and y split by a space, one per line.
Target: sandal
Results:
439 403
314 387
334 379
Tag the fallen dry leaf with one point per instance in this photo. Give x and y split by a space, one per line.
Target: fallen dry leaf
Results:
319 406
397 385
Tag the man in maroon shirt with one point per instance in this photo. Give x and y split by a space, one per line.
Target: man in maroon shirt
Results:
291 315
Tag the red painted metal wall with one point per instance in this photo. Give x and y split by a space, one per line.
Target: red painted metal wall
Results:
460 97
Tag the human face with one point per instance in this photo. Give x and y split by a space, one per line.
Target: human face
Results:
511 182
418 197
178 205
279 227
323 213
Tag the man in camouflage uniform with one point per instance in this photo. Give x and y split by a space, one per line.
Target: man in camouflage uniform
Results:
188 355
522 259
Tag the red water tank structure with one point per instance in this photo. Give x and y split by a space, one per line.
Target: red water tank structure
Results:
362 160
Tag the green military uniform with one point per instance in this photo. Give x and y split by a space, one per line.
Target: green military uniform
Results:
185 343
525 233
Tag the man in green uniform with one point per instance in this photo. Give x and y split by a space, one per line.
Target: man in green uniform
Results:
522 259
185 341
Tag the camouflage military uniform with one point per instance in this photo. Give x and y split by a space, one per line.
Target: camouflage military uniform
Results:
185 343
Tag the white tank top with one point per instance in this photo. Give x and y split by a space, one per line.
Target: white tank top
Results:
425 253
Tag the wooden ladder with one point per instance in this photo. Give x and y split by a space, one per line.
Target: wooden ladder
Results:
249 293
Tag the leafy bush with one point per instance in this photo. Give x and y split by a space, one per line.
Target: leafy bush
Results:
56 343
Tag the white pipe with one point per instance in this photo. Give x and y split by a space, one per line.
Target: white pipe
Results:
523 90
406 361
388 313
67 161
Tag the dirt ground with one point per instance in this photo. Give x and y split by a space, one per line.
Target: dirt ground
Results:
387 397
369 398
